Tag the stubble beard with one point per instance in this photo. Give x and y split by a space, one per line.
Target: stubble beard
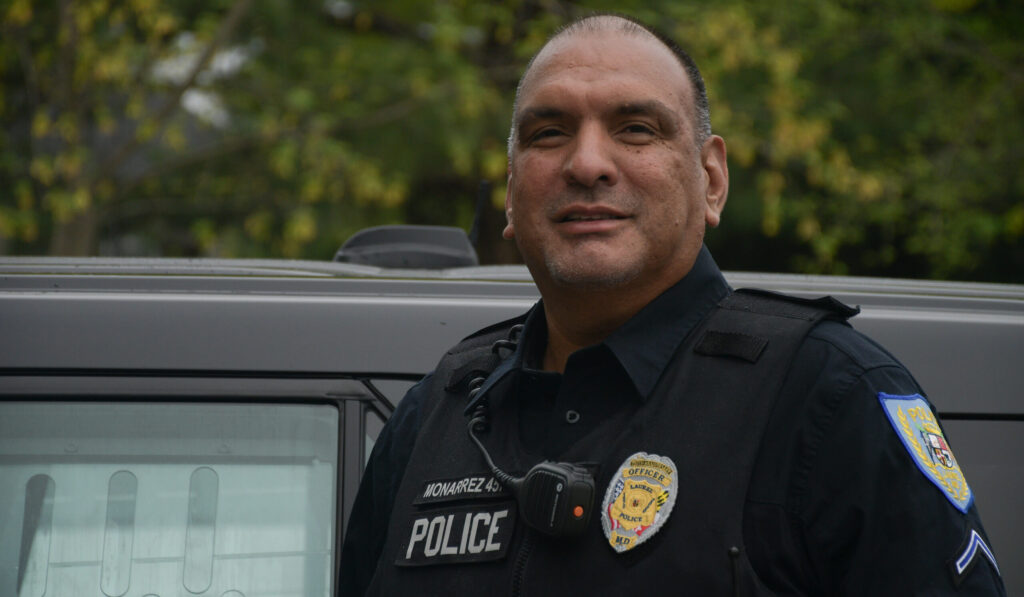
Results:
571 272
569 269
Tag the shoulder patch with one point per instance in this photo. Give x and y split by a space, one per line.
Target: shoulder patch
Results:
639 499
912 419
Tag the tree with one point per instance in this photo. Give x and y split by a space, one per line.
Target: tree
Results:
868 138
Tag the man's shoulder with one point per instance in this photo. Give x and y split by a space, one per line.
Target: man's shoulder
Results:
478 349
832 333
847 343
769 302
486 336
839 369
474 356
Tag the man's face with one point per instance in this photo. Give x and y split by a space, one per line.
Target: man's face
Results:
606 184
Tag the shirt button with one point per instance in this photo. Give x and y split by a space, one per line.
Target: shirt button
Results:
571 416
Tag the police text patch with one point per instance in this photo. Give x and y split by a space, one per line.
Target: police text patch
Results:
478 533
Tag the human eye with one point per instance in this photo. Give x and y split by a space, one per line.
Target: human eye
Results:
636 131
546 136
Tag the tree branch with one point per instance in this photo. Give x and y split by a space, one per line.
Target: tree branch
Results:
385 115
227 26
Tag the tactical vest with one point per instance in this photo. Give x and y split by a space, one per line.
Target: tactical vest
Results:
455 531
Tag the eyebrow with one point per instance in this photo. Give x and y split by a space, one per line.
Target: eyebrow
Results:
666 118
654 108
540 113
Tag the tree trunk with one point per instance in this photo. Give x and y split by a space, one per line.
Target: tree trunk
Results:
76 237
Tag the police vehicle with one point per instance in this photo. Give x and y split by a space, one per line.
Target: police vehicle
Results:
199 427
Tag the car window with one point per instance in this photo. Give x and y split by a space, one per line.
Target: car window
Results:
123 498
373 420
393 389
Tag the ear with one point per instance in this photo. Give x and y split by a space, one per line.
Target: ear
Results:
714 161
509 232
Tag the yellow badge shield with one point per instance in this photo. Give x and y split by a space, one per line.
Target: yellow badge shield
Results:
638 500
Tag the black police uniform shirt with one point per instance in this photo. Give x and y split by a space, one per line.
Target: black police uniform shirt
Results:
836 505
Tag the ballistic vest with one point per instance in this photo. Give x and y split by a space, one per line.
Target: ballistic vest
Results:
455 530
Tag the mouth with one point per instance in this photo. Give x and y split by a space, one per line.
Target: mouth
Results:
590 220
591 217
578 212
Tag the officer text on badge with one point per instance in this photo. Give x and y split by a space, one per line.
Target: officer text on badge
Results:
459 535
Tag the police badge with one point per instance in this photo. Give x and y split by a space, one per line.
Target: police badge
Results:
912 419
639 500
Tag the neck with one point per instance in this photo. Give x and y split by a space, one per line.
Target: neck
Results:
577 319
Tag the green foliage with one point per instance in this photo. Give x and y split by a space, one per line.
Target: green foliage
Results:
864 137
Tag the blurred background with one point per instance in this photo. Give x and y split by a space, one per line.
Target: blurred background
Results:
868 137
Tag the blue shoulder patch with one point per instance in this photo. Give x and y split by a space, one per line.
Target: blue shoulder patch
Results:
916 425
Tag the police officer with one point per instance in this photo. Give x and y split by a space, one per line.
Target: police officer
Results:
643 427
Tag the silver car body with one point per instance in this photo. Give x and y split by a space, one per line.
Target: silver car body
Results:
183 427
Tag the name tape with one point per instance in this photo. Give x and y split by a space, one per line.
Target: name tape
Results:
460 488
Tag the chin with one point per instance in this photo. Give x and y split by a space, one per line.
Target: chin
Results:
590 275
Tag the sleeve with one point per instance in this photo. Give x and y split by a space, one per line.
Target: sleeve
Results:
371 512
884 511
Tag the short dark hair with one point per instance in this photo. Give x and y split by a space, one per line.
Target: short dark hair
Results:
598 22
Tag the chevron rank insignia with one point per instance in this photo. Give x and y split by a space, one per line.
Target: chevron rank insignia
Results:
918 429
638 500
973 549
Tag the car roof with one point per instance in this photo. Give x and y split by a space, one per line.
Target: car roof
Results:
269 317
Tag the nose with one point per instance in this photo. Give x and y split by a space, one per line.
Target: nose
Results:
590 161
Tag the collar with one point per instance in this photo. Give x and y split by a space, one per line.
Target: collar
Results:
644 344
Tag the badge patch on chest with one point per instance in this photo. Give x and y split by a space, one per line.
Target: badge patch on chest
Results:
639 500
920 433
